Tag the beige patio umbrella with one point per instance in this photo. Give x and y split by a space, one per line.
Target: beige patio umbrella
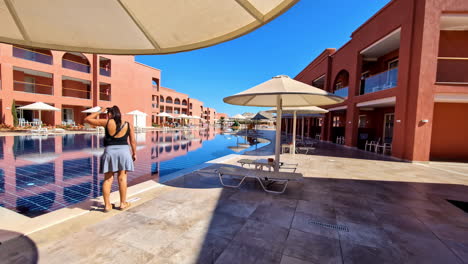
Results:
133 27
282 91
299 110
39 106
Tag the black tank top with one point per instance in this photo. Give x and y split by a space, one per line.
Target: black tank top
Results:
112 140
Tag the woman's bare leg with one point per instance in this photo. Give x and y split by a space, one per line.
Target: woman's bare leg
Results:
106 189
122 177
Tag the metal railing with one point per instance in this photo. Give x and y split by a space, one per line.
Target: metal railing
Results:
452 70
76 66
343 92
31 55
105 72
35 88
177 102
83 93
168 101
379 82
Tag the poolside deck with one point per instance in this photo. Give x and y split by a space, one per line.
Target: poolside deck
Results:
394 212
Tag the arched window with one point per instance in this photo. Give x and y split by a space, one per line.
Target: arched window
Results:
76 61
161 99
184 102
340 85
169 100
177 101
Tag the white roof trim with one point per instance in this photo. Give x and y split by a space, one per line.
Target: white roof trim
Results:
388 100
451 98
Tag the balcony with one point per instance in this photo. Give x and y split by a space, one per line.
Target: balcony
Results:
343 92
104 92
35 88
379 82
32 55
76 66
104 66
77 88
105 72
452 70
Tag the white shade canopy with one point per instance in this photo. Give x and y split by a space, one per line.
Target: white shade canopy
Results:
193 117
238 116
132 27
164 114
301 110
282 91
92 110
39 106
182 116
292 92
137 113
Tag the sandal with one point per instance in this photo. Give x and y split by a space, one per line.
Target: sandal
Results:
126 207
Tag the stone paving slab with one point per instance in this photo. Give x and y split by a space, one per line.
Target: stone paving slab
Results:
395 212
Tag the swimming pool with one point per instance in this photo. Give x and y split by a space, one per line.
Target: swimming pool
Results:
41 174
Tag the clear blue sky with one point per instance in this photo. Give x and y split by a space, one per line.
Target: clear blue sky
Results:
284 46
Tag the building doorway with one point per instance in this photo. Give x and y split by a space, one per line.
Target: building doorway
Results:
388 127
67 115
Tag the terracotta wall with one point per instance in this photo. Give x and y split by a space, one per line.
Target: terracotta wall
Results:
449 130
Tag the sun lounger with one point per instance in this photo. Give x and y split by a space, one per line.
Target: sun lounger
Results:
265 178
260 163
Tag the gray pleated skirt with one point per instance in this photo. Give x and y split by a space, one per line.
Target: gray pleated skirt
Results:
116 158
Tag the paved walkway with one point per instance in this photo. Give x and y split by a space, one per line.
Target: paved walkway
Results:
352 207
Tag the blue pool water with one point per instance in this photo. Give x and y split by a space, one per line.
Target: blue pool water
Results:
40 174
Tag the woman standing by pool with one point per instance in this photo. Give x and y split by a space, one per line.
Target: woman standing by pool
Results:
116 157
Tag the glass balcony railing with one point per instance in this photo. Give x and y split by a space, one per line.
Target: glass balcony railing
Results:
379 82
169 101
35 88
343 92
76 66
32 55
105 72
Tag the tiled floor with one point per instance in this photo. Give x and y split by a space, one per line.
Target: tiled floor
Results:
395 212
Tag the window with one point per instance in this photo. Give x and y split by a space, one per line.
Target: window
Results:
362 121
161 99
338 85
319 82
393 64
155 83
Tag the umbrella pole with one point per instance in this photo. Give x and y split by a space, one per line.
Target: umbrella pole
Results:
303 128
278 131
40 119
294 133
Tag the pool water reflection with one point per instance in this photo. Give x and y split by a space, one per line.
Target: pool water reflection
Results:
40 174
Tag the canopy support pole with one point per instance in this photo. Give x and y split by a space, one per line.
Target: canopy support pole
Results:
303 128
278 131
293 149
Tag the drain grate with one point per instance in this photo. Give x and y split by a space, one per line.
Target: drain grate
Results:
335 227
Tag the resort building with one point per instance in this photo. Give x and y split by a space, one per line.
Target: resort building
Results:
405 76
75 82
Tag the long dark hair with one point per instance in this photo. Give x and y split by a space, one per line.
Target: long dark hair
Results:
116 115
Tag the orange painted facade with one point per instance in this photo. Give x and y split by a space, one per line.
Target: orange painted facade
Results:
402 70
75 82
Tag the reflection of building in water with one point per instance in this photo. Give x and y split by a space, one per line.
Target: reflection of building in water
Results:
39 174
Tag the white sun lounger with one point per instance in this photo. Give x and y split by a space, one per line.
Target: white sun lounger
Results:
266 178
